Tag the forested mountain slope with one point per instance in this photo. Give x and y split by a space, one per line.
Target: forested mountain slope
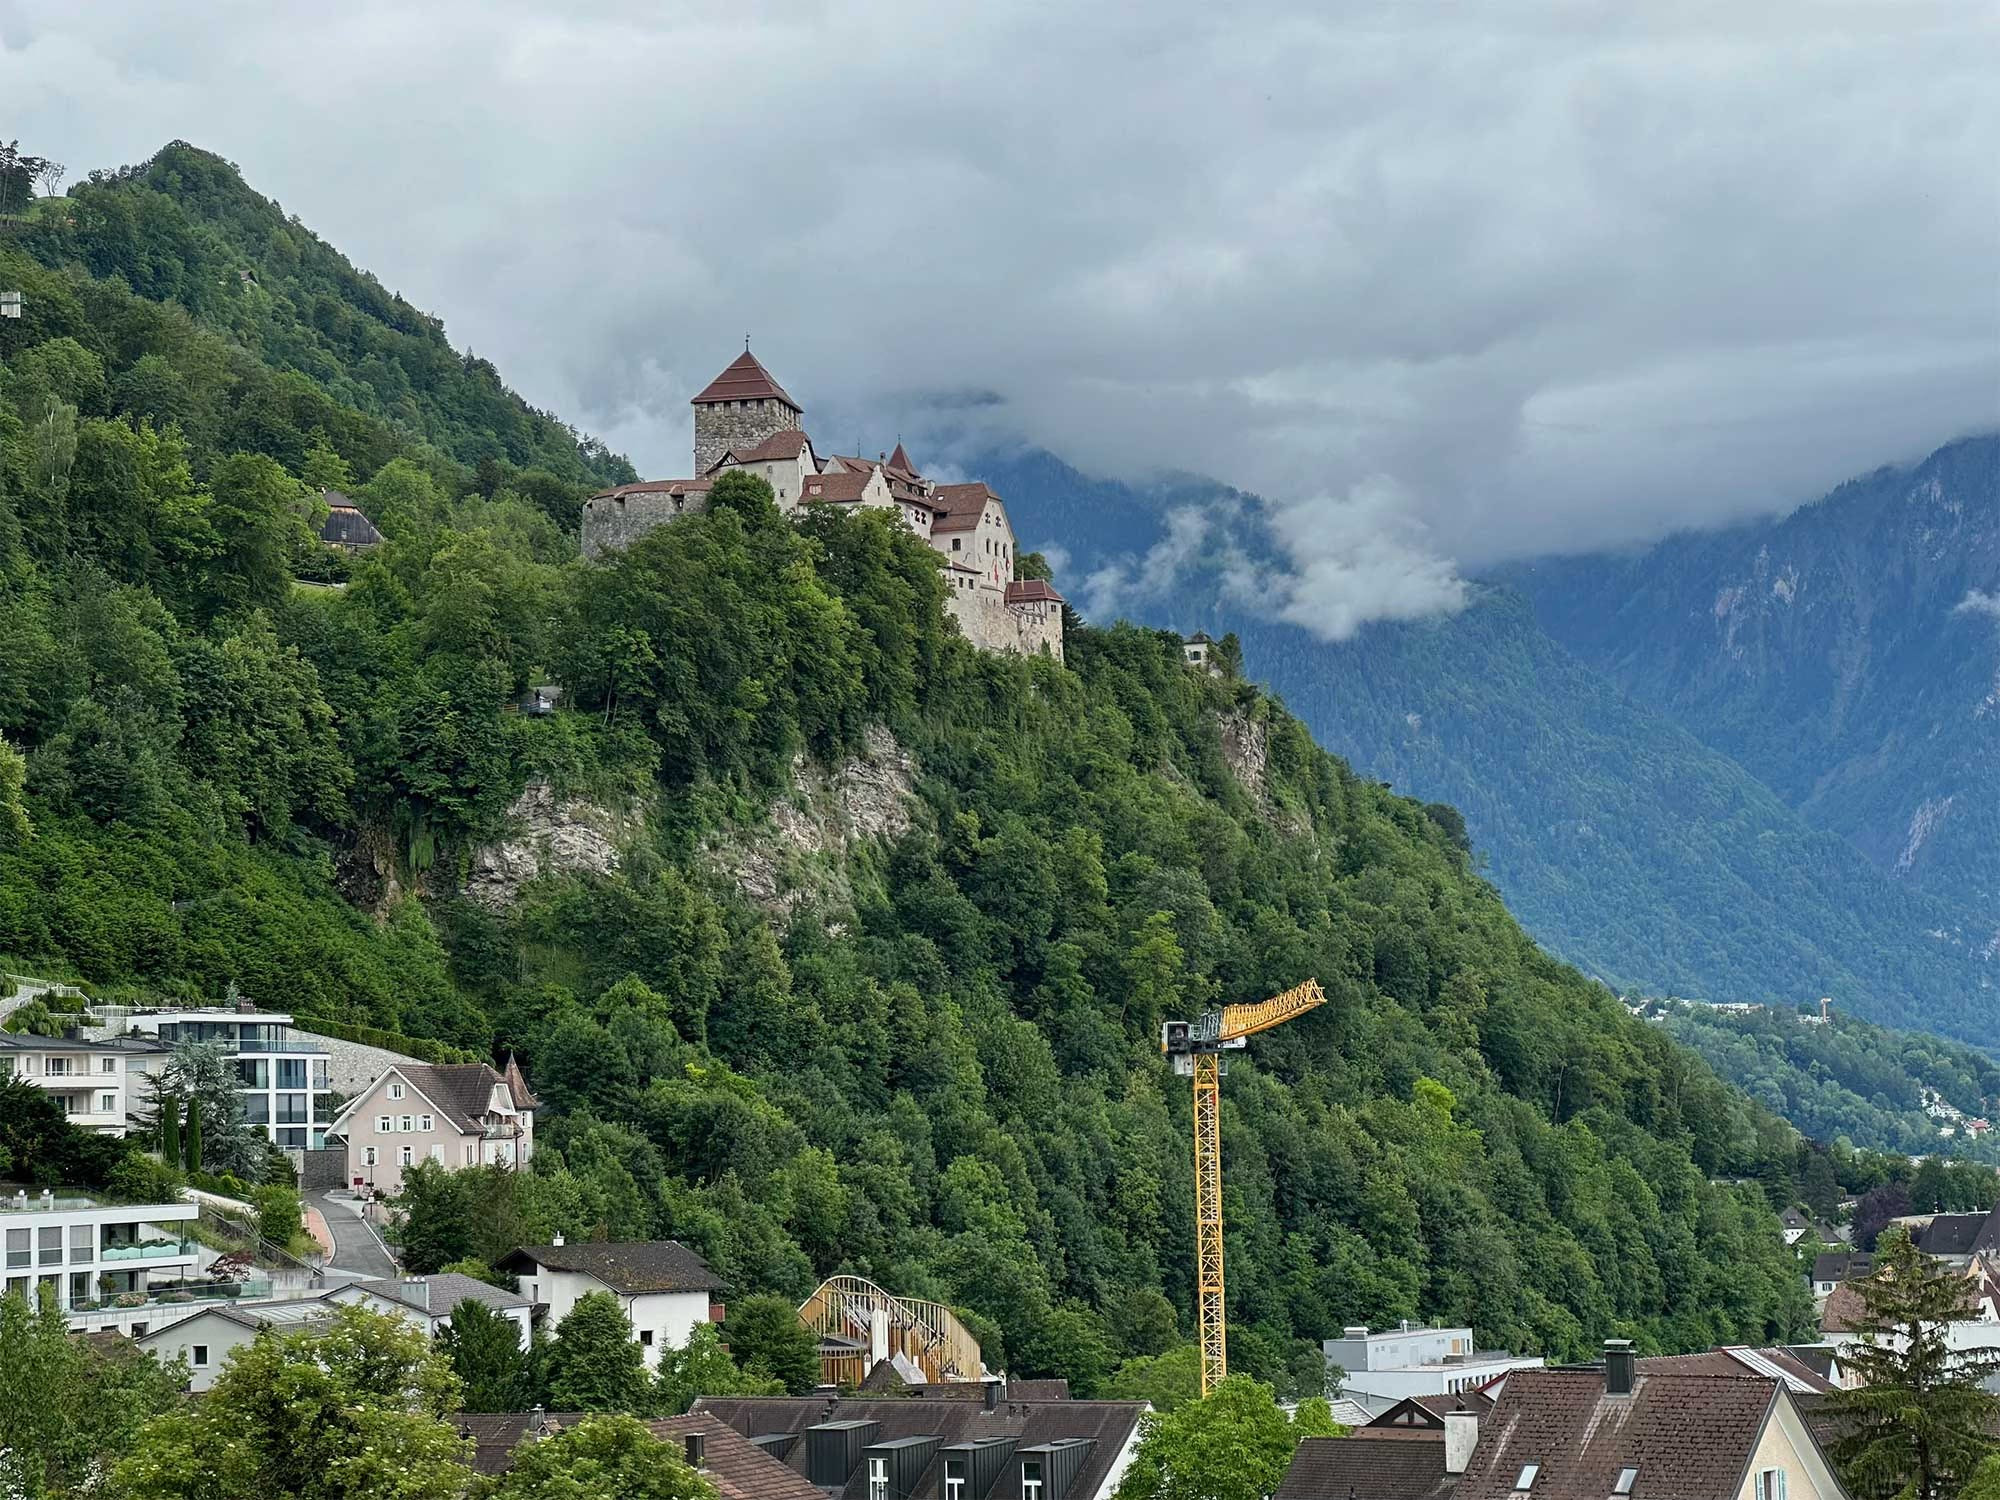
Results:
1848 1080
1616 836
1847 654
943 1070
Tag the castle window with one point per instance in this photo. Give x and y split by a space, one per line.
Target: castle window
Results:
954 544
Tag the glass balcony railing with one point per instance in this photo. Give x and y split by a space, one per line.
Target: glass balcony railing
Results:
147 1249
278 1046
170 1296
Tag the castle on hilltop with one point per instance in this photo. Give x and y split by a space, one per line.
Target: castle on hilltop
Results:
744 420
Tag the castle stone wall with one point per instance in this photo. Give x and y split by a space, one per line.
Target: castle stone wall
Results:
720 426
990 623
613 521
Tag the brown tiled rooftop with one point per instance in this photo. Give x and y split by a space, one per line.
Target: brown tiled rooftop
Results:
1379 1465
744 380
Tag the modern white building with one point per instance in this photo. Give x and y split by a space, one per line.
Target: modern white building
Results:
88 1078
282 1075
1380 1369
667 1290
115 1266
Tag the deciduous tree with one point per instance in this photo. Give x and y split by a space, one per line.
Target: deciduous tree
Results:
594 1363
603 1458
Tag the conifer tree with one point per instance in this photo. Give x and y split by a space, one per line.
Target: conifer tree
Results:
170 1130
595 1364
1917 1421
485 1350
194 1135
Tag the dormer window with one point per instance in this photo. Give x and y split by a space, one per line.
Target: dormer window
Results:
954 1479
1526 1482
1031 1479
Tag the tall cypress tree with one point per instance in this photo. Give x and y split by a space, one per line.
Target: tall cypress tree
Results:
1917 1425
170 1130
194 1135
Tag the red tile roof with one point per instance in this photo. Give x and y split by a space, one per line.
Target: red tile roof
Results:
1032 591
1739 1361
785 444
899 460
842 488
960 505
744 380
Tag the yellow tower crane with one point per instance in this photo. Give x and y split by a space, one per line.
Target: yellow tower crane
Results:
1196 1048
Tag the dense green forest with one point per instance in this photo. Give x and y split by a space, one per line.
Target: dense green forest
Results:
1848 1080
1617 835
944 1072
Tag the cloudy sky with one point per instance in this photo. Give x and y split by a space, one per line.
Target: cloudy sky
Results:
1473 279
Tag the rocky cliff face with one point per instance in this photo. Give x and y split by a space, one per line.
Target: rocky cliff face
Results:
547 835
797 855
1848 654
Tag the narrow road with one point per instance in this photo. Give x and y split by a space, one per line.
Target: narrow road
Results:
357 1249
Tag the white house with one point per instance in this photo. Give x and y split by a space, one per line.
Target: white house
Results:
208 1337
87 1078
667 1290
429 1301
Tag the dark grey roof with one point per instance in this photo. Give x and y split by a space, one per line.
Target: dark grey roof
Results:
440 1293
1841 1265
1107 1425
461 1090
628 1267
1950 1234
1380 1465
738 1468
345 526
27 1041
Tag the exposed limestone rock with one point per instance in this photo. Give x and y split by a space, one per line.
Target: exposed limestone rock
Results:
1246 750
547 835
828 813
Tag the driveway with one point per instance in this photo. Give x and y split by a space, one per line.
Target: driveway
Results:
357 1248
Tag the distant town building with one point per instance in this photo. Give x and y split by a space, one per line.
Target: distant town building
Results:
1381 1369
666 1289
744 420
206 1337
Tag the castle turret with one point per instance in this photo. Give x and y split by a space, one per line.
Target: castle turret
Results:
740 408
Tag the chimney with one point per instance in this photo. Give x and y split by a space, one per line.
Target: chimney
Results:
1461 1436
1620 1367
993 1395
696 1458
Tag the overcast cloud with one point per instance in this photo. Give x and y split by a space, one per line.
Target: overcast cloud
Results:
1501 277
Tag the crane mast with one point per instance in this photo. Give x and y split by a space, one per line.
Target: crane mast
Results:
1197 1049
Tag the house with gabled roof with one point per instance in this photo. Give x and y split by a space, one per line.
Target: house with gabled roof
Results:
429 1301
738 1468
994 1448
455 1114
666 1290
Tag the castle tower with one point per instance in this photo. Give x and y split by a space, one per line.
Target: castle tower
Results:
739 409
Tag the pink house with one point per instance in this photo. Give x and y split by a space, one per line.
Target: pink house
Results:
455 1114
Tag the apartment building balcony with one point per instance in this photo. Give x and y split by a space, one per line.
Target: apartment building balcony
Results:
174 1295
